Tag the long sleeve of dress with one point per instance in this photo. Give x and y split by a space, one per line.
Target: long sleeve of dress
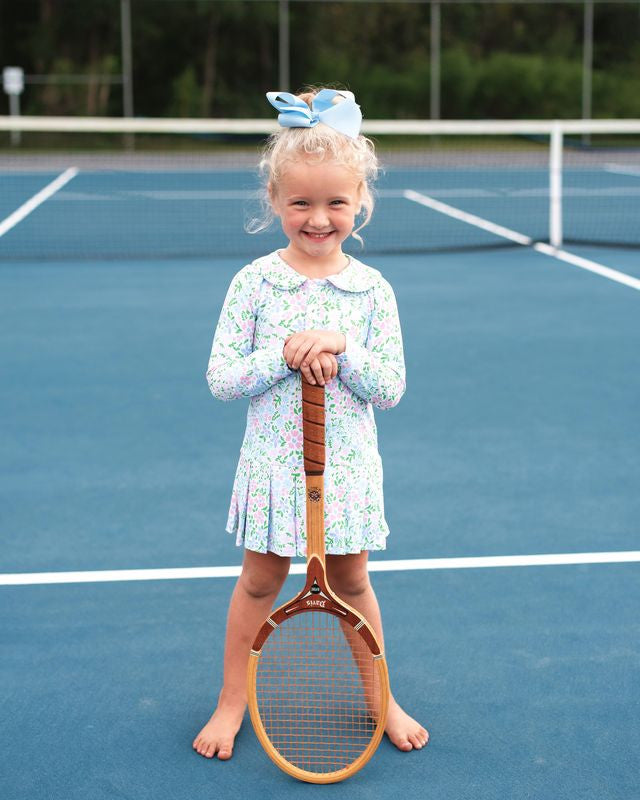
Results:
235 369
376 372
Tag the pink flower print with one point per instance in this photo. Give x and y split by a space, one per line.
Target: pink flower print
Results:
293 439
246 327
332 513
383 327
259 517
299 303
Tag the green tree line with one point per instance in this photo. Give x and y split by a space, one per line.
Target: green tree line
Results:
211 58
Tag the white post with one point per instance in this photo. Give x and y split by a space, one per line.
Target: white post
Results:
555 186
435 60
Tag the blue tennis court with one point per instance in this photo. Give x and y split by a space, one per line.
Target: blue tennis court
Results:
517 437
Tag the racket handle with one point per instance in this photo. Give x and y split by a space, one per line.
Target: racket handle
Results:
313 427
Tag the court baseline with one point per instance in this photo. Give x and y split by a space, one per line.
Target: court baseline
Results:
181 573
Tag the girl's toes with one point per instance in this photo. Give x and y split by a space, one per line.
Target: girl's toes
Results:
415 741
225 751
209 751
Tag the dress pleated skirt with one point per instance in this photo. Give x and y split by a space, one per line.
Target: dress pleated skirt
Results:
268 508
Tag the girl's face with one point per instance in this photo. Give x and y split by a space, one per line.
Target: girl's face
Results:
317 205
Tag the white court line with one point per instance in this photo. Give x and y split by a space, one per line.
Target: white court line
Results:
457 213
620 169
110 575
585 263
519 238
44 194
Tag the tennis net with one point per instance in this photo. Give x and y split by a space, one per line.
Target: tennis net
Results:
86 188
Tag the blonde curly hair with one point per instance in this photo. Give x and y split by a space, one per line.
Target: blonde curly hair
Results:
316 144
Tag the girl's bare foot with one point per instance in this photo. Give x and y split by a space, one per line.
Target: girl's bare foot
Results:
219 733
403 730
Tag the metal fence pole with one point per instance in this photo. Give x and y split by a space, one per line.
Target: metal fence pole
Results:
435 60
127 76
587 64
283 46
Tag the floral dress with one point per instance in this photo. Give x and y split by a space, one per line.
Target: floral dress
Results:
267 301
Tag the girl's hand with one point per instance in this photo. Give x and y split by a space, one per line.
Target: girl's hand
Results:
301 349
322 369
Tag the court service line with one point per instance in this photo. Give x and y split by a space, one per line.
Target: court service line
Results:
526 241
181 573
44 194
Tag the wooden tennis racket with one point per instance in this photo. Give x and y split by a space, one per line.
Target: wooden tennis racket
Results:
317 681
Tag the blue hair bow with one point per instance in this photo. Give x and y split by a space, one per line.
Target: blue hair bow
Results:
344 116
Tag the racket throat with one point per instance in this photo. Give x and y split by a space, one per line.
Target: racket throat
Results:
315 518
315 597
316 593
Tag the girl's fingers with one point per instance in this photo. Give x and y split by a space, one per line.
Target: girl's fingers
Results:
317 371
304 352
290 348
321 370
313 353
329 366
333 367
316 368
327 369
306 346
301 359
308 374
292 343
300 350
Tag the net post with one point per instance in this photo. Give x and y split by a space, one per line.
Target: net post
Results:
555 185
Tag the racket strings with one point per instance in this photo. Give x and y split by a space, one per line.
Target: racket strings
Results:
318 692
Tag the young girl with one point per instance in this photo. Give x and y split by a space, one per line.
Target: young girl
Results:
309 309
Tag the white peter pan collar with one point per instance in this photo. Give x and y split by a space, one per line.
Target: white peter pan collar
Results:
355 277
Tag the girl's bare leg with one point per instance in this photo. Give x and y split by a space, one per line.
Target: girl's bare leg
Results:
349 579
253 597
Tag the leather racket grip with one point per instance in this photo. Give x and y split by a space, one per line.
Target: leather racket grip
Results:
313 427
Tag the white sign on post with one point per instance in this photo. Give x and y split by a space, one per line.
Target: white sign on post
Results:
13 84
13 80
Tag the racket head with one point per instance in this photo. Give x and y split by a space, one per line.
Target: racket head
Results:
318 686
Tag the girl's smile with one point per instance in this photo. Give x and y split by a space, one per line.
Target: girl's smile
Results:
318 236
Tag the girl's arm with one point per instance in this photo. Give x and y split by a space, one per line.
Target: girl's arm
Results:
376 372
235 368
